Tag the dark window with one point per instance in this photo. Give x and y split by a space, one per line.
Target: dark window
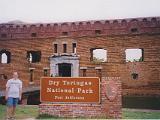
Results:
74 47
133 30
55 48
64 33
3 77
91 52
31 75
45 72
64 48
142 57
34 56
3 35
64 69
134 76
5 56
97 32
34 35
84 73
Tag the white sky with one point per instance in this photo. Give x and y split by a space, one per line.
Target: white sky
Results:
75 10
133 54
4 58
100 54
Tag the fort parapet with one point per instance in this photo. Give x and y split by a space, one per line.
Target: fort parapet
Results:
79 29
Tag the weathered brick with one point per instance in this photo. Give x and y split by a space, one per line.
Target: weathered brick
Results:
115 37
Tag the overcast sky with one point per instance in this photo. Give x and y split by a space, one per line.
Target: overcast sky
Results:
75 10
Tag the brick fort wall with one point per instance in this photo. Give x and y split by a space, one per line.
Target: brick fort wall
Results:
113 35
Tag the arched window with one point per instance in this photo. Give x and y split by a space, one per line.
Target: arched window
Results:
5 56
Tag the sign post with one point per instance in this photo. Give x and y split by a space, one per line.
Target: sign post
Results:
87 97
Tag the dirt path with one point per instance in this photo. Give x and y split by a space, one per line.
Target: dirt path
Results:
29 119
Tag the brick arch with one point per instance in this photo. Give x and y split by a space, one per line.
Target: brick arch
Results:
124 22
134 23
154 20
115 22
64 27
144 20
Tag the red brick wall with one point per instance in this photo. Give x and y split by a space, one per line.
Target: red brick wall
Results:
104 109
115 38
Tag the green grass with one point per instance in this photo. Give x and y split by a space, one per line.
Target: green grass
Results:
32 112
21 112
129 114
2 111
27 111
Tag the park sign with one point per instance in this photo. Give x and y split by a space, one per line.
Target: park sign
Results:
70 89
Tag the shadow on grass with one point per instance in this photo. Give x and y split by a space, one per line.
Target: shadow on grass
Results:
46 116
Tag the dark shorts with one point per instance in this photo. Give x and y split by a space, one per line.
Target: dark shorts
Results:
12 101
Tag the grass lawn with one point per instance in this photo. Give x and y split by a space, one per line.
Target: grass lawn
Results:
140 114
24 112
